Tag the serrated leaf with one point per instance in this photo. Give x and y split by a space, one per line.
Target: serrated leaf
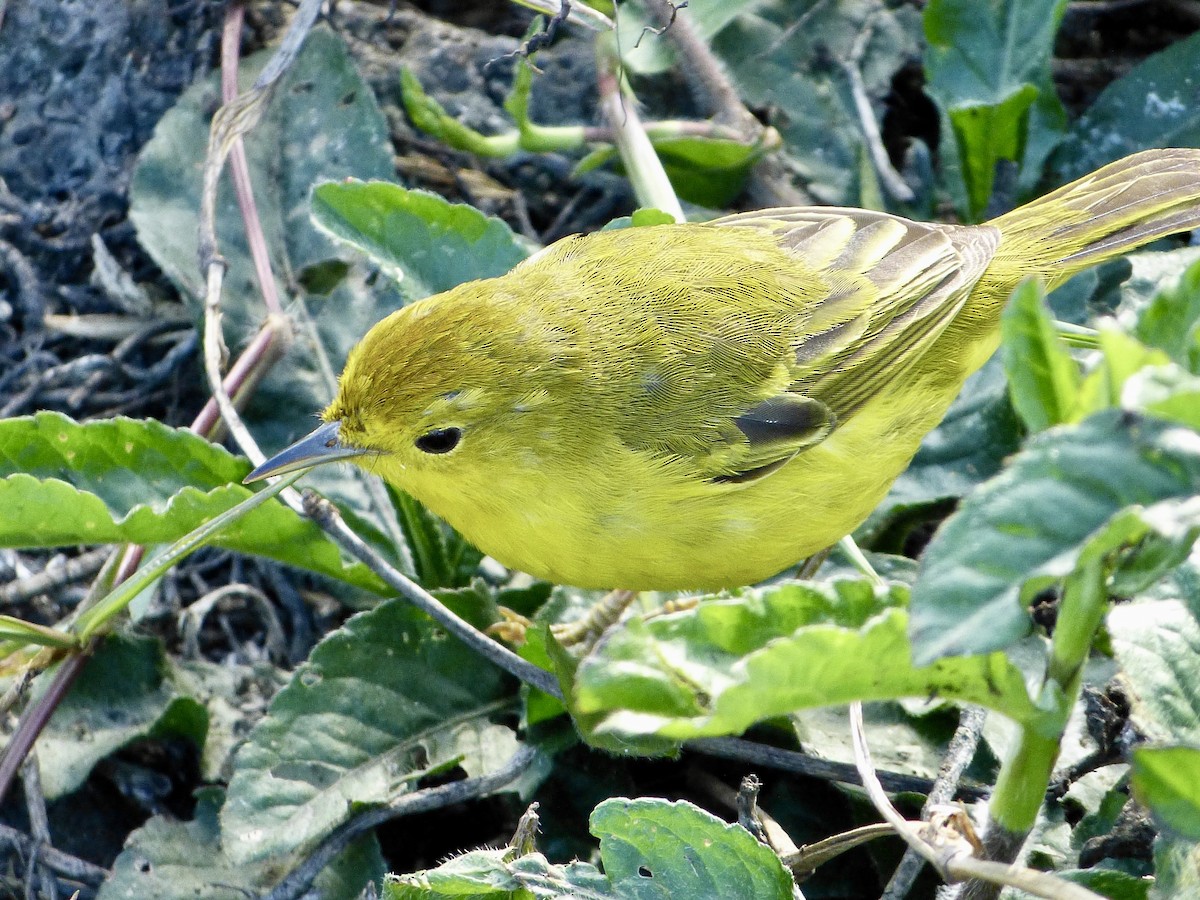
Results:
1153 105
766 652
1167 781
170 860
1043 379
1157 644
382 702
322 123
430 244
655 848
139 481
1026 528
987 65
122 694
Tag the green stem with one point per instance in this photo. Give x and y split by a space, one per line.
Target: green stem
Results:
1024 777
1077 335
642 165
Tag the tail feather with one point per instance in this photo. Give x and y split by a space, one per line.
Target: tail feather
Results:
1114 210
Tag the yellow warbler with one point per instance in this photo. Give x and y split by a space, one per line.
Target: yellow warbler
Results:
697 406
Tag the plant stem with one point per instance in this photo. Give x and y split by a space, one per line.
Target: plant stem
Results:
1025 776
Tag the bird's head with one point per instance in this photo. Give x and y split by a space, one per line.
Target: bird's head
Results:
444 391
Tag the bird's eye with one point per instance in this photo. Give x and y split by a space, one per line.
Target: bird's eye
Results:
440 440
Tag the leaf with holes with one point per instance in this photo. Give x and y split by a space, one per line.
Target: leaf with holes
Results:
381 703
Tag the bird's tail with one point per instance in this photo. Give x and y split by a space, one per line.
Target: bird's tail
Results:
1116 209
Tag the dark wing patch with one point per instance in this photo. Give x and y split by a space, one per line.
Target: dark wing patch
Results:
775 431
787 419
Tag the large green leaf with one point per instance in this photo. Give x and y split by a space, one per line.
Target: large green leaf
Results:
987 65
1025 529
127 480
170 860
429 244
322 123
1151 106
1157 644
381 703
738 660
124 693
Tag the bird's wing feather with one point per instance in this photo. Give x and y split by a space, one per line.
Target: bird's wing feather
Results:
895 285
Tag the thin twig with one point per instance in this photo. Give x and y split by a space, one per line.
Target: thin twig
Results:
802 764
36 717
300 879
63 864
770 183
959 754
891 179
650 182
39 824
326 516
55 575
946 841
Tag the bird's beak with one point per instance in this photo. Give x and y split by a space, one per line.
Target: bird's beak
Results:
320 447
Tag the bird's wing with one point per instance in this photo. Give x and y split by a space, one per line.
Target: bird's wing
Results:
894 285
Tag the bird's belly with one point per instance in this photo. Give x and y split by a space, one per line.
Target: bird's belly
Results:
627 523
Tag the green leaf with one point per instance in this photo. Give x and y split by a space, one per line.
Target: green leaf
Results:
1157 644
1171 320
1151 106
170 860
650 848
1167 781
1121 356
986 66
1109 883
125 480
383 702
1025 529
710 172
323 123
1043 379
654 848
738 660
792 71
123 694
431 245
1176 868
487 874
1167 392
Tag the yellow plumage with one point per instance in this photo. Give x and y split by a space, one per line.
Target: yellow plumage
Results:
697 406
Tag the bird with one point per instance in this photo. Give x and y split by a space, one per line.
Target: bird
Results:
698 406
